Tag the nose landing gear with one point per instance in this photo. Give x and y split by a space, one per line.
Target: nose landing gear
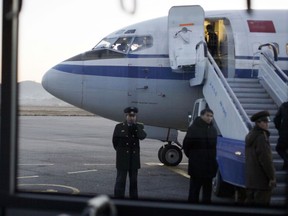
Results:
170 155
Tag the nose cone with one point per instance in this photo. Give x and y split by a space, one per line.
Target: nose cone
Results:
51 82
64 85
45 81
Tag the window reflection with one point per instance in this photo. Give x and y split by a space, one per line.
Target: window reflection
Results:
123 44
64 149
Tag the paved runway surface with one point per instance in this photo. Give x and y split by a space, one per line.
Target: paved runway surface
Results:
74 155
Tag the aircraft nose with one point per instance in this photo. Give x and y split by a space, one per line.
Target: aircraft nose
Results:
45 81
48 80
64 85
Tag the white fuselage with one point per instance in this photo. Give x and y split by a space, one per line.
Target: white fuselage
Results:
104 81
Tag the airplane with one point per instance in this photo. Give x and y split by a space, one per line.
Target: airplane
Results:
164 67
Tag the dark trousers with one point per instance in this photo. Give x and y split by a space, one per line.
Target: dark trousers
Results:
260 197
119 190
195 186
282 151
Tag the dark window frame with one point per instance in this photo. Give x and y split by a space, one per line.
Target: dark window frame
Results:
11 199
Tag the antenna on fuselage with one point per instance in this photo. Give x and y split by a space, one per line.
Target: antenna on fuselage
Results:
249 10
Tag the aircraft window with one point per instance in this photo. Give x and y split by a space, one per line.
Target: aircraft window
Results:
287 48
122 44
105 43
141 43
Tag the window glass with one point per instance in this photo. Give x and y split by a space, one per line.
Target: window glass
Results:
105 43
141 42
71 98
122 44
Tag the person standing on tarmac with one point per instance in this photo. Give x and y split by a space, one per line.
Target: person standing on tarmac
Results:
259 169
281 124
126 140
199 146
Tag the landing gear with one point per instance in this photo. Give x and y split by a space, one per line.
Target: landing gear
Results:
170 155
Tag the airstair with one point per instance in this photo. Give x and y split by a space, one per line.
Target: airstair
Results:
234 101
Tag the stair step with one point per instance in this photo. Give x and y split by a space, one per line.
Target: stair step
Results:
281 176
242 80
244 85
251 112
259 106
249 95
278 200
280 189
249 90
278 164
256 100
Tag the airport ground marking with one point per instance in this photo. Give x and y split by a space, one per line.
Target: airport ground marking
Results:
83 171
36 164
154 164
74 190
174 169
25 177
179 171
88 164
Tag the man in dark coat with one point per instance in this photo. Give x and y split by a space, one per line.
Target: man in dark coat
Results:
199 146
125 140
212 40
281 124
260 172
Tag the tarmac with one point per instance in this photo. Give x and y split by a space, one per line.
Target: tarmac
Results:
73 154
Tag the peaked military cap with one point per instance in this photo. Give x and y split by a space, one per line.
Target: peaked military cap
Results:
260 116
131 110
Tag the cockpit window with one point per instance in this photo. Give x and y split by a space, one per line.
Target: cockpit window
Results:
105 43
122 44
141 42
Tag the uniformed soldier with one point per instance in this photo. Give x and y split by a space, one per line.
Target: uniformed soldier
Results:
260 171
126 139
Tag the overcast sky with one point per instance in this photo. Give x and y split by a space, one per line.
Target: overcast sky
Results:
54 30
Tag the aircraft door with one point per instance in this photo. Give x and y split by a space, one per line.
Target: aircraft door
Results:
186 30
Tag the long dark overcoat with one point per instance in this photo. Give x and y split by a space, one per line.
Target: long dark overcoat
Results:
281 124
126 143
199 146
259 166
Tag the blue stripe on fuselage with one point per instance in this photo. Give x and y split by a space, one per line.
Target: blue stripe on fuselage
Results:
125 71
144 71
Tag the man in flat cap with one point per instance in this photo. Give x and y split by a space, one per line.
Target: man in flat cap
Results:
259 168
126 139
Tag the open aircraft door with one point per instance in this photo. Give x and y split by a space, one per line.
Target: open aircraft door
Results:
186 32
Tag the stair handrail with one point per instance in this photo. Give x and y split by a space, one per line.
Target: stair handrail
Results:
231 93
274 80
275 55
204 47
271 63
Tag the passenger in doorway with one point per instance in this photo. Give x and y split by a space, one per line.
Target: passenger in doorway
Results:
212 40
260 172
281 124
199 146
126 140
